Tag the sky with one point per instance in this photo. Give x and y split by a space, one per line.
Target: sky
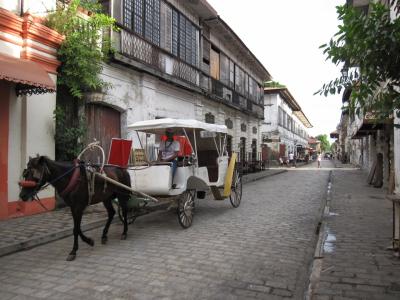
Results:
285 36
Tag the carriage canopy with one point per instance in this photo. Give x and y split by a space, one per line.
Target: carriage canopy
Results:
159 126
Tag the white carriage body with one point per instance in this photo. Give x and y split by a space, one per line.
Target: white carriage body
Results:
199 174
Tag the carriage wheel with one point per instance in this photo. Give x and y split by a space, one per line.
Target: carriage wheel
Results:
130 214
186 208
236 190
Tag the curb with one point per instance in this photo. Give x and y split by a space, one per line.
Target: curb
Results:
31 243
247 180
38 241
316 264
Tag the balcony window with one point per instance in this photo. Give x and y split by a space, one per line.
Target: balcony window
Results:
143 17
162 25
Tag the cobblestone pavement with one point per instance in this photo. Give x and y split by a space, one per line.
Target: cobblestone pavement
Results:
261 250
356 264
27 232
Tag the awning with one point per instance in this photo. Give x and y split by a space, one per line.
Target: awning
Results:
29 76
369 125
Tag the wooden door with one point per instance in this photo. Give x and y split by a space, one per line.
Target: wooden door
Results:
264 152
254 150
282 150
103 124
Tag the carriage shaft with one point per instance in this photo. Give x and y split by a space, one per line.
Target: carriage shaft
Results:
117 183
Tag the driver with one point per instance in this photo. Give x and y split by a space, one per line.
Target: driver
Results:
169 150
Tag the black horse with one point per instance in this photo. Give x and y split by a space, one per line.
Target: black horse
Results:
71 182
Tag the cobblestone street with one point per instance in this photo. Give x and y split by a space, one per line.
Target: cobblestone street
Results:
261 250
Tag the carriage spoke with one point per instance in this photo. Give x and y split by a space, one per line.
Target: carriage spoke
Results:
236 193
185 209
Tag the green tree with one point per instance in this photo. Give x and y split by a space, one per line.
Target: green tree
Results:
84 50
369 46
325 145
86 45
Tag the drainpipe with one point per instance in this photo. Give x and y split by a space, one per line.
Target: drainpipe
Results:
21 7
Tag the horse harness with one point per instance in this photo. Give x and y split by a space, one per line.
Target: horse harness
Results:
90 173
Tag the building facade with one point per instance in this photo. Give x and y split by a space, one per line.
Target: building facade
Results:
178 59
284 129
28 64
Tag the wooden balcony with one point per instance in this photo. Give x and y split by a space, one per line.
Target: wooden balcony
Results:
134 50
159 60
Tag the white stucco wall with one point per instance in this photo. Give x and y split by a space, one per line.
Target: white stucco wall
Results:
9 48
31 132
140 96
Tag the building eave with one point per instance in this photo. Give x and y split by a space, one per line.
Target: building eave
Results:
221 28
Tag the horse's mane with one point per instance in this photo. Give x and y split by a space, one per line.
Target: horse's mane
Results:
64 164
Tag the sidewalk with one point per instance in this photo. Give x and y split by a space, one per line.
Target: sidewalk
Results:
357 229
27 232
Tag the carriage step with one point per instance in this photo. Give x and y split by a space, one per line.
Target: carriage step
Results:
217 193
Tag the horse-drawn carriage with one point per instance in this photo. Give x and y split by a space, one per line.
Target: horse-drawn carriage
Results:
202 165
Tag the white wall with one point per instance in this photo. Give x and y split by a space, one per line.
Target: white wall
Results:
31 132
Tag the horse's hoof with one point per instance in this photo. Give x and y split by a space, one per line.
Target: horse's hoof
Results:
123 236
90 242
71 257
104 240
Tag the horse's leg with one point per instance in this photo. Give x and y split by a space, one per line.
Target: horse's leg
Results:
111 212
72 254
86 239
123 201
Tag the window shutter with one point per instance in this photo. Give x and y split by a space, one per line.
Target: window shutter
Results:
188 42
214 64
148 25
175 32
156 23
128 9
182 37
138 17
224 69
166 27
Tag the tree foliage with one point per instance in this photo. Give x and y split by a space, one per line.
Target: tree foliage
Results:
68 139
85 46
325 145
369 45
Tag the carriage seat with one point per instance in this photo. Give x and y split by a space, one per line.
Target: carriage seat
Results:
185 151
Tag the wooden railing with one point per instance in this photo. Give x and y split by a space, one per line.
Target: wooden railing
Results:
135 47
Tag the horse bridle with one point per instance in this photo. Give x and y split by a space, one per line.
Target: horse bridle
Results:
37 181
40 184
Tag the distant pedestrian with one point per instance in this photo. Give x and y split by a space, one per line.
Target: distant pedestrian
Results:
291 158
319 160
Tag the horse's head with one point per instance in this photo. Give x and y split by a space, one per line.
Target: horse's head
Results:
35 176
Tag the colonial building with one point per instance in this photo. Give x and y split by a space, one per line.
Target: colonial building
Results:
28 74
284 129
367 143
178 59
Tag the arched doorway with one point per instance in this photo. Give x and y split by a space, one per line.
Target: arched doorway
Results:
242 150
229 145
103 124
